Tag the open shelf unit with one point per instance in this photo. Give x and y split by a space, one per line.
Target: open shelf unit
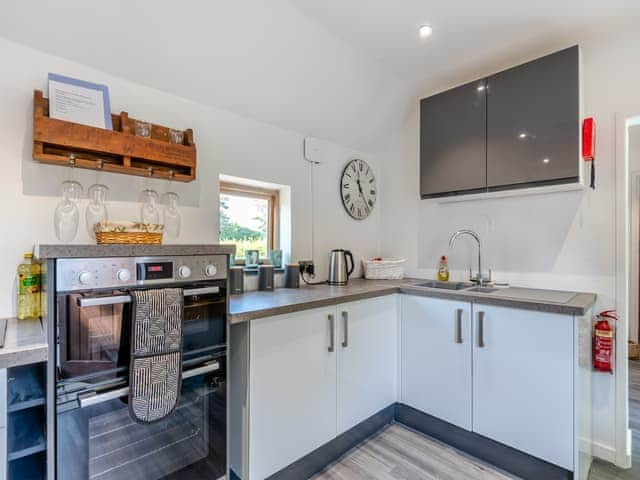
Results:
26 422
119 150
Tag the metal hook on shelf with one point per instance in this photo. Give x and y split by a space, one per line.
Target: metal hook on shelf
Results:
72 160
150 171
172 174
100 163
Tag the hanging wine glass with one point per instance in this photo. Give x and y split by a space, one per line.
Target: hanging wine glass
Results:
66 216
149 212
172 218
96 211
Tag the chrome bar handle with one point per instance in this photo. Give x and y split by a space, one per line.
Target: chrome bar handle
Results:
100 301
118 299
201 291
458 331
332 333
206 368
345 329
93 399
480 329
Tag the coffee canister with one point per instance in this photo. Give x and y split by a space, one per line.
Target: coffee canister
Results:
236 280
292 276
265 277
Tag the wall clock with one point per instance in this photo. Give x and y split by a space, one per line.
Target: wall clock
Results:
358 189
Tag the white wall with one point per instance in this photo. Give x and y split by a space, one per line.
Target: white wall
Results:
226 143
634 179
561 241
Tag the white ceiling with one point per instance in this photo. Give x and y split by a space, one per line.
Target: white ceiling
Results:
344 70
470 37
262 59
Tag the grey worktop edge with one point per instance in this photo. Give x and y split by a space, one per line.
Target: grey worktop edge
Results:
307 305
25 343
97 251
578 306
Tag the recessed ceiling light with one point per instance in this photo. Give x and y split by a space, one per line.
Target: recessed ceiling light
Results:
425 31
546 160
523 135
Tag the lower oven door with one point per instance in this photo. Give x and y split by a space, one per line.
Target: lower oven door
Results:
96 438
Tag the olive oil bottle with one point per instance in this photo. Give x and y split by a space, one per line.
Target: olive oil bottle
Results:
443 270
28 288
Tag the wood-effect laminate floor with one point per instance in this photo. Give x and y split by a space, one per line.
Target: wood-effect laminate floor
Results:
398 453
605 471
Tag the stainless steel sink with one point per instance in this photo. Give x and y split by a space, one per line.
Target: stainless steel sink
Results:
445 285
483 289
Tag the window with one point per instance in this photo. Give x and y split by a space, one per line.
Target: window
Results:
248 218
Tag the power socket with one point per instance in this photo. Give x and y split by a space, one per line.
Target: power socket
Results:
307 266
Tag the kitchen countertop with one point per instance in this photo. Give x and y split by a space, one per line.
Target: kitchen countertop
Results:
24 343
94 251
253 305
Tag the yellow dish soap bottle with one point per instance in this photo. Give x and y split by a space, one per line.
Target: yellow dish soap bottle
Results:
443 270
28 288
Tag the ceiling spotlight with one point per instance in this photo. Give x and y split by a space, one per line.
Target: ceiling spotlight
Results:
481 88
425 31
523 135
546 160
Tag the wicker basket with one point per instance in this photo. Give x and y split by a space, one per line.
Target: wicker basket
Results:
111 233
106 238
385 269
634 351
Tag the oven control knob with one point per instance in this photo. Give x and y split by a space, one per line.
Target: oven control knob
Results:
85 278
184 272
123 275
210 270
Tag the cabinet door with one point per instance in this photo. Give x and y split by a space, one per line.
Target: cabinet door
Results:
523 381
292 396
533 122
367 359
453 141
436 358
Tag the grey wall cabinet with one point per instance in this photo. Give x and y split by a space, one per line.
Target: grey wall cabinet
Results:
452 141
533 122
517 128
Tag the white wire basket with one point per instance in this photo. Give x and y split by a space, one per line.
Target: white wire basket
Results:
385 269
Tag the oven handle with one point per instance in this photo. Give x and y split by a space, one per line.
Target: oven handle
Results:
119 299
93 399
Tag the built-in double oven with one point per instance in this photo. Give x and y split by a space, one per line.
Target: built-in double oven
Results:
95 438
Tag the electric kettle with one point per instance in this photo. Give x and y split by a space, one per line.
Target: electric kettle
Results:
339 268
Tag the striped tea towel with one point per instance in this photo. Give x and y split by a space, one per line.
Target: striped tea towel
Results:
155 369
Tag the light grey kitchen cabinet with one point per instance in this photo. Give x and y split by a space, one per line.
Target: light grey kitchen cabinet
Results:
452 141
533 120
436 358
367 358
523 381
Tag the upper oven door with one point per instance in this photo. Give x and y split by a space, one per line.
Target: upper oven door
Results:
94 330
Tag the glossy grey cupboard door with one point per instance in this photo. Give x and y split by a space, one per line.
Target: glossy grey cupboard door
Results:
452 141
533 122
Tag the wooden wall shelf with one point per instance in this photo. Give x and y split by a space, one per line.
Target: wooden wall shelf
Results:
64 143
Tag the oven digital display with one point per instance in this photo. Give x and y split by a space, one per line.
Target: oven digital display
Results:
155 271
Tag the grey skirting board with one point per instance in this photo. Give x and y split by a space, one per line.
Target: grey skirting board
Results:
506 458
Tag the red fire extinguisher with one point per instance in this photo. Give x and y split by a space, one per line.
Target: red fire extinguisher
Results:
603 341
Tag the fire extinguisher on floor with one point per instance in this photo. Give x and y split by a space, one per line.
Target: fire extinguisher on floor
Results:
603 341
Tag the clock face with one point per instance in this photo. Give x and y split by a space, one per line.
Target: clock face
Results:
358 189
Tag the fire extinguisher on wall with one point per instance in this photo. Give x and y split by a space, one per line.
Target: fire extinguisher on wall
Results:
603 341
